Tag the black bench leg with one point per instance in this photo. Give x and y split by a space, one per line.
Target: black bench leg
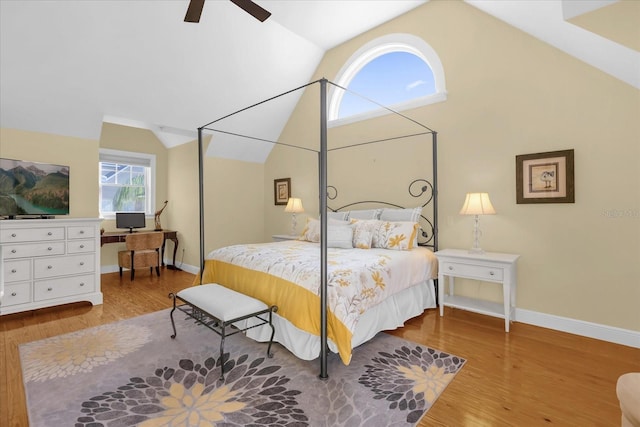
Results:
273 332
172 295
222 353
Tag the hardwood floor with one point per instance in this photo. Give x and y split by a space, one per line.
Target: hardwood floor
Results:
530 376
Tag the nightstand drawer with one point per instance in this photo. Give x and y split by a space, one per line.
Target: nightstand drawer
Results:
479 272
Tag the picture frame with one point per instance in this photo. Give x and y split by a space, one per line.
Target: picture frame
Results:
545 177
281 190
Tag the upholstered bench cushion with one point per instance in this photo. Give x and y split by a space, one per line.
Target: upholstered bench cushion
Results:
223 303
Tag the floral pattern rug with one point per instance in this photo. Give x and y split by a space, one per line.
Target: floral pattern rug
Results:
131 373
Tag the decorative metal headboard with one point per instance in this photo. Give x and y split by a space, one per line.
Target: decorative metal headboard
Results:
419 188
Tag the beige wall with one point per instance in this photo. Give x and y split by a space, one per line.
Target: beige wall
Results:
81 155
511 94
233 195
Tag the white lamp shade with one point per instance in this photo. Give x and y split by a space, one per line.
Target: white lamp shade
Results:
477 204
294 205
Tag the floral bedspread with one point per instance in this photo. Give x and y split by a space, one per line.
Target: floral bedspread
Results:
285 273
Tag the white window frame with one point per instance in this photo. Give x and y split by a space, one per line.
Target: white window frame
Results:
131 158
398 42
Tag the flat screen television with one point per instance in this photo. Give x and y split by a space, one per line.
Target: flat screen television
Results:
32 188
130 220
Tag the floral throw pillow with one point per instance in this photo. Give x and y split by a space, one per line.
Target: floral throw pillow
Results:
396 235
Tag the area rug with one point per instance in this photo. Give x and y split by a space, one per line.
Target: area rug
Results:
132 373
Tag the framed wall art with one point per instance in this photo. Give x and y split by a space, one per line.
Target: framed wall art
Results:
545 177
282 190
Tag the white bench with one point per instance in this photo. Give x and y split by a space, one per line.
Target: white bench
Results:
217 307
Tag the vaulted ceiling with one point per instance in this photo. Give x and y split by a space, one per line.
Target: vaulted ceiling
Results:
67 66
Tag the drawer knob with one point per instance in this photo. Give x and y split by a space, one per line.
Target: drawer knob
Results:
450 267
13 251
49 233
491 273
13 234
81 283
81 246
81 231
49 289
13 270
13 294
49 267
49 248
81 262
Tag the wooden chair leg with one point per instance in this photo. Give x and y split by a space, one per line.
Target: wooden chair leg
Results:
120 271
132 265
158 270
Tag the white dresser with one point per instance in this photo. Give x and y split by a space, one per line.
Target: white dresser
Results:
48 262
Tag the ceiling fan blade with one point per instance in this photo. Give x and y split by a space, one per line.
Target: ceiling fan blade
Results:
253 9
194 11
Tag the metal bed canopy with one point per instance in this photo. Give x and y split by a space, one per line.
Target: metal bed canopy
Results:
323 186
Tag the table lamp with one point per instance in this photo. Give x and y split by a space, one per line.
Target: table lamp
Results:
477 204
294 205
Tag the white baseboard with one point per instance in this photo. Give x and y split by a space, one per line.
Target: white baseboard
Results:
579 327
114 268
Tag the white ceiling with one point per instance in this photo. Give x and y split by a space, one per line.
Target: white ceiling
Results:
68 65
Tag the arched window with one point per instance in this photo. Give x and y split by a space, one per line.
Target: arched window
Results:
399 71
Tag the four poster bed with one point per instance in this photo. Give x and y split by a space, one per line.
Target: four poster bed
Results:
352 273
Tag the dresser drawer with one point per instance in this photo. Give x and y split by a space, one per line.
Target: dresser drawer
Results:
81 246
479 272
17 270
31 234
81 232
17 293
33 249
60 266
62 287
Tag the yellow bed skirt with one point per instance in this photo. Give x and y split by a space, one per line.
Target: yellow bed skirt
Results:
296 304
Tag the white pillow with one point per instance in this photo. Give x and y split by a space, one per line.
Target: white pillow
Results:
311 232
392 214
363 232
340 236
340 216
364 214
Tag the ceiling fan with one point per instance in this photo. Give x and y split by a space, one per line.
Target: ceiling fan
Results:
195 10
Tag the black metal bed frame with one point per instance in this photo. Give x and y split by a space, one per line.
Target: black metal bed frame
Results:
323 189
417 188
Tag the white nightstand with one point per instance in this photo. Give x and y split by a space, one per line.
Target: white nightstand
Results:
281 237
487 267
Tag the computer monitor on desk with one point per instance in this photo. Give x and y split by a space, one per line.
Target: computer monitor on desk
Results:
130 220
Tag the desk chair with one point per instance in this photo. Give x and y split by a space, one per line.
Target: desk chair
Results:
143 250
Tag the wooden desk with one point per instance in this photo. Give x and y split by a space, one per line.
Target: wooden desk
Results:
121 236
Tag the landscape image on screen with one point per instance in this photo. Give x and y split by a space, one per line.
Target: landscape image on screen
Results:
30 188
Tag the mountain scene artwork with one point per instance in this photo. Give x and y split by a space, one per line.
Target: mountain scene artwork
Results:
31 188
